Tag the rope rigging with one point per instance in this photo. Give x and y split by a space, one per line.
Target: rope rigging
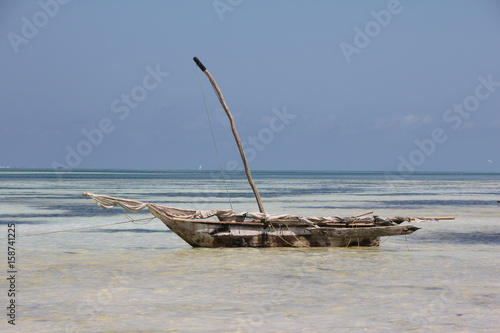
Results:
130 220
214 140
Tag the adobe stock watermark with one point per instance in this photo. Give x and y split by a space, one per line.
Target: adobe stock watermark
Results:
30 26
223 6
254 144
121 106
453 116
364 36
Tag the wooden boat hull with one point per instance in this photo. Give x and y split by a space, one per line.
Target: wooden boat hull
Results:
212 234
233 229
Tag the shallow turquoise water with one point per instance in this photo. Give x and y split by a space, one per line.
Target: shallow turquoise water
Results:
143 278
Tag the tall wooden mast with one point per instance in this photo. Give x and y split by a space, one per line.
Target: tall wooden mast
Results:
235 133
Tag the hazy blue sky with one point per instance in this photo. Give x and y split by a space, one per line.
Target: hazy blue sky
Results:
323 85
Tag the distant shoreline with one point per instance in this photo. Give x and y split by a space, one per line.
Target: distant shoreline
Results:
216 173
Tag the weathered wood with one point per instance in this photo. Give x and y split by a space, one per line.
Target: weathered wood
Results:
203 233
363 214
350 225
357 236
400 219
237 230
235 133
438 218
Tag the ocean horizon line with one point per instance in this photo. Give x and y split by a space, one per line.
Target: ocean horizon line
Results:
195 170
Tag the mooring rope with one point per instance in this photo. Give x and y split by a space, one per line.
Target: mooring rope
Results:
149 219
383 240
214 140
294 235
278 233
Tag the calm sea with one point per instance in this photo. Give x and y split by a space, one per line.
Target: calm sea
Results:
76 270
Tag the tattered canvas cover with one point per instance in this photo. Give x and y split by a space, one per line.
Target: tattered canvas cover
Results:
107 202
